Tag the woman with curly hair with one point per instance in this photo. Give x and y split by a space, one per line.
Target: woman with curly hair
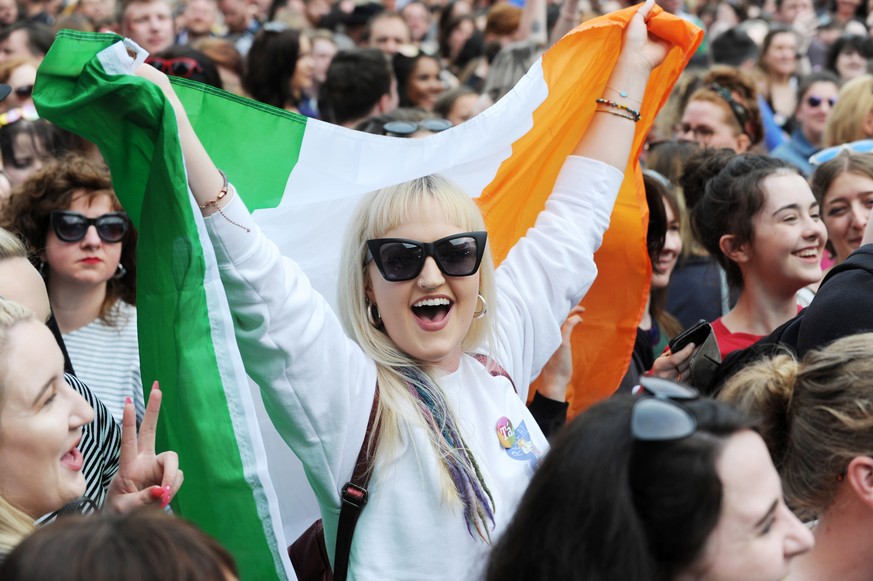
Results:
85 249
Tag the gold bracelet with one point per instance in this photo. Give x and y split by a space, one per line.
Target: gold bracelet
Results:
617 114
221 194
614 105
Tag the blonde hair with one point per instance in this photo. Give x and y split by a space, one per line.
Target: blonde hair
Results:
11 246
816 415
14 523
846 120
379 212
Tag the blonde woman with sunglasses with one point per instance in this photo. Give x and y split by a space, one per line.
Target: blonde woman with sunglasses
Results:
420 295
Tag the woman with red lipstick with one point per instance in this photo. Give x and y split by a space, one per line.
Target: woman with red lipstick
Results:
455 445
41 424
760 220
86 253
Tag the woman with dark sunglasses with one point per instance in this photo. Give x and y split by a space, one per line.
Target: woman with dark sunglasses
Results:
456 445
816 417
816 97
656 487
69 211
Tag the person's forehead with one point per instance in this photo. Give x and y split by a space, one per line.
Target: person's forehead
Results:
821 89
390 26
156 6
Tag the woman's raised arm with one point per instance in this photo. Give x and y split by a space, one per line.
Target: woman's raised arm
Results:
203 177
610 135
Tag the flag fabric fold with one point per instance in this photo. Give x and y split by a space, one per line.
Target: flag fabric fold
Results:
304 178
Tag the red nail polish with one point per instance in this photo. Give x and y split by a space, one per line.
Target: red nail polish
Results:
165 499
127 400
156 492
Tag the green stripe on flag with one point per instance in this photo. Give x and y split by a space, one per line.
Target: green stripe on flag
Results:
260 171
135 129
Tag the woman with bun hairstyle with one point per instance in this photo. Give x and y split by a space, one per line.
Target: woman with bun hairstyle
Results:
817 419
723 112
699 500
760 220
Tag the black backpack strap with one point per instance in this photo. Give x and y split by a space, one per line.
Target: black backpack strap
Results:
354 495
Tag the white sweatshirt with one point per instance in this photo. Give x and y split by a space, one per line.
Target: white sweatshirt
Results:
318 385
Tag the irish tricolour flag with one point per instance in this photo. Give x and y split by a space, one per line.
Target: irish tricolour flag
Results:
303 178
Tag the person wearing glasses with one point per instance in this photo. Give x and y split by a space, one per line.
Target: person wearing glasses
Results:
20 74
418 298
68 210
662 486
723 112
816 97
815 415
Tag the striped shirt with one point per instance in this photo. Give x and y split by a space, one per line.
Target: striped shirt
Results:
106 357
100 447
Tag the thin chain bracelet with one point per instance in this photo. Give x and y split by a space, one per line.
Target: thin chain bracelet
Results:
221 194
624 95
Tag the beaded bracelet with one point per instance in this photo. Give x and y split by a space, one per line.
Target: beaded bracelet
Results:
221 194
617 114
615 105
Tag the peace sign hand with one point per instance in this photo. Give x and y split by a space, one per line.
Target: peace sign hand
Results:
143 477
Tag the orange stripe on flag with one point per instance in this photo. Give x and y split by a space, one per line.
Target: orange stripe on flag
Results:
603 343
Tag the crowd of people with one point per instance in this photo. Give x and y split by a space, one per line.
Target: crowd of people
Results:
739 450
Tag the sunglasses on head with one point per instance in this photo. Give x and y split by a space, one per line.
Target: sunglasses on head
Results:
178 67
815 101
825 155
72 226
407 128
657 415
399 259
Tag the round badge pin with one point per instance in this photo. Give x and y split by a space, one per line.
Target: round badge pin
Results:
505 432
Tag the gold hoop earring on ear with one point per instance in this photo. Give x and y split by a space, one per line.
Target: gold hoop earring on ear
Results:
483 311
373 316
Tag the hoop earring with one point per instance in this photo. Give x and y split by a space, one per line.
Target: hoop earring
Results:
483 311
120 272
373 316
